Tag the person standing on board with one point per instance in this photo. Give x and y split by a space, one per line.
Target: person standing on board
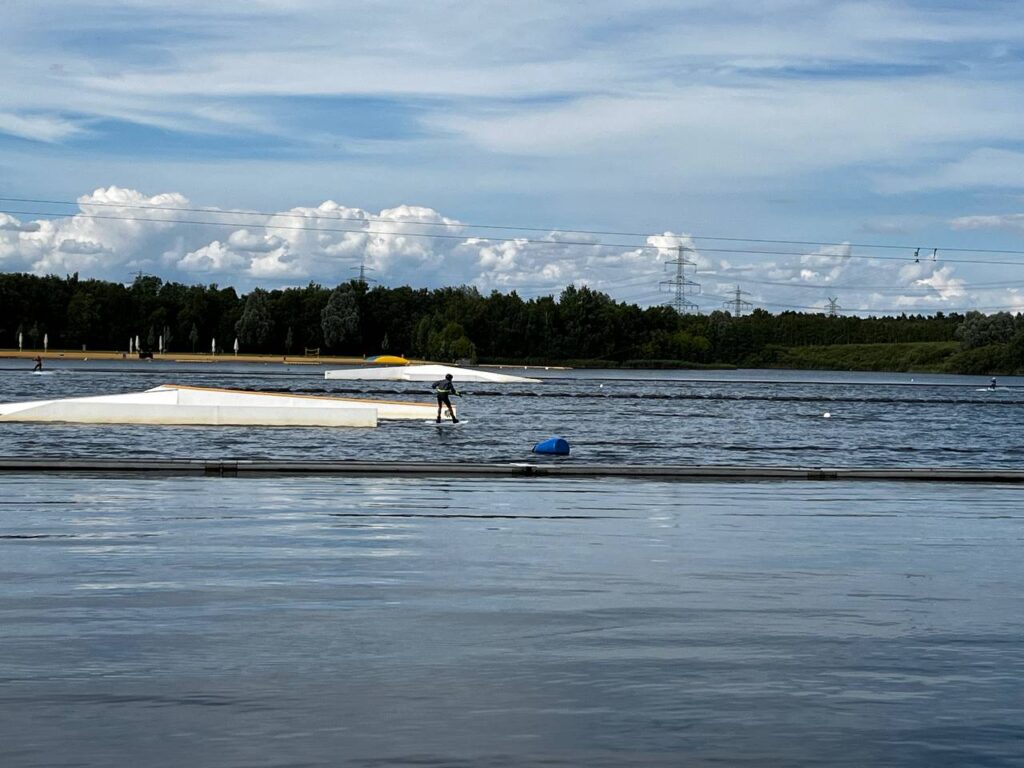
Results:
992 384
443 389
39 364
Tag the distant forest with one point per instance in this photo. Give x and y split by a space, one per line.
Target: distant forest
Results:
578 327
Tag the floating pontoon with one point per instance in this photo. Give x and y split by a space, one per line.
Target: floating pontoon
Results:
182 405
425 373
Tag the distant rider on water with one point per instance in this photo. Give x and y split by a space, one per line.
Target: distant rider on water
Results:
443 389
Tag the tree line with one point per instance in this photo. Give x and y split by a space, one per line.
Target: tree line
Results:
580 325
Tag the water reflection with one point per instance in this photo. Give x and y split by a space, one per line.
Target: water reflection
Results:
374 621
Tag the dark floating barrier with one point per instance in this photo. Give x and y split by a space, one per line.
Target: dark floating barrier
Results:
242 468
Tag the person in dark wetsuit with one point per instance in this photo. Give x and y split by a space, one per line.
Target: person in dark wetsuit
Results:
443 389
39 364
992 384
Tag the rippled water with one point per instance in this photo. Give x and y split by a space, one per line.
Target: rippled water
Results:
711 417
368 622
176 621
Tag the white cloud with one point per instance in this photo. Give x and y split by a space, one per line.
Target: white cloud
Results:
420 246
10 224
946 286
543 79
707 132
276 266
244 240
215 257
71 245
45 129
682 114
863 284
1011 221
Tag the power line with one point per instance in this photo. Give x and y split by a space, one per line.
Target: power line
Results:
506 227
545 243
651 295
682 302
872 288
908 310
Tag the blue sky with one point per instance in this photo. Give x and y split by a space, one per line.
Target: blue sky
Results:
893 123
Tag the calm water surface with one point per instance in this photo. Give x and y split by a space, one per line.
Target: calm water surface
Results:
481 622
369 622
739 417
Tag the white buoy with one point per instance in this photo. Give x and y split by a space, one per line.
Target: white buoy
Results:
826 415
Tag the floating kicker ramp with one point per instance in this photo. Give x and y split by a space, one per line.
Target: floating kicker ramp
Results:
172 404
425 373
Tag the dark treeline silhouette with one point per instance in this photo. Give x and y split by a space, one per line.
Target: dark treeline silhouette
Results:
458 323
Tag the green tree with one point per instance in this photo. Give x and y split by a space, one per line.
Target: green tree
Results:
256 323
83 318
980 330
340 318
448 342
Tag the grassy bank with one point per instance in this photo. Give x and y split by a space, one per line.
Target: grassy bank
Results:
923 357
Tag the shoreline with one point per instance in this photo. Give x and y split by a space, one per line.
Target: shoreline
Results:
177 357
206 357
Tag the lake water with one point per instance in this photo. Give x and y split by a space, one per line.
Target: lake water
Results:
312 621
686 417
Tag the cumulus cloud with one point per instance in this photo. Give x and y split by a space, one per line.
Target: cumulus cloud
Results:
244 240
10 224
862 282
85 247
215 257
276 266
116 231
942 281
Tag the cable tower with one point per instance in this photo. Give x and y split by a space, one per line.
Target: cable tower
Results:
736 304
363 279
681 284
833 306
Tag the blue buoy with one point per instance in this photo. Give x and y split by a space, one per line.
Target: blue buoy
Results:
557 446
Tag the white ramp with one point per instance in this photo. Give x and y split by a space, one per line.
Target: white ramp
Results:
180 405
78 412
387 410
425 373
